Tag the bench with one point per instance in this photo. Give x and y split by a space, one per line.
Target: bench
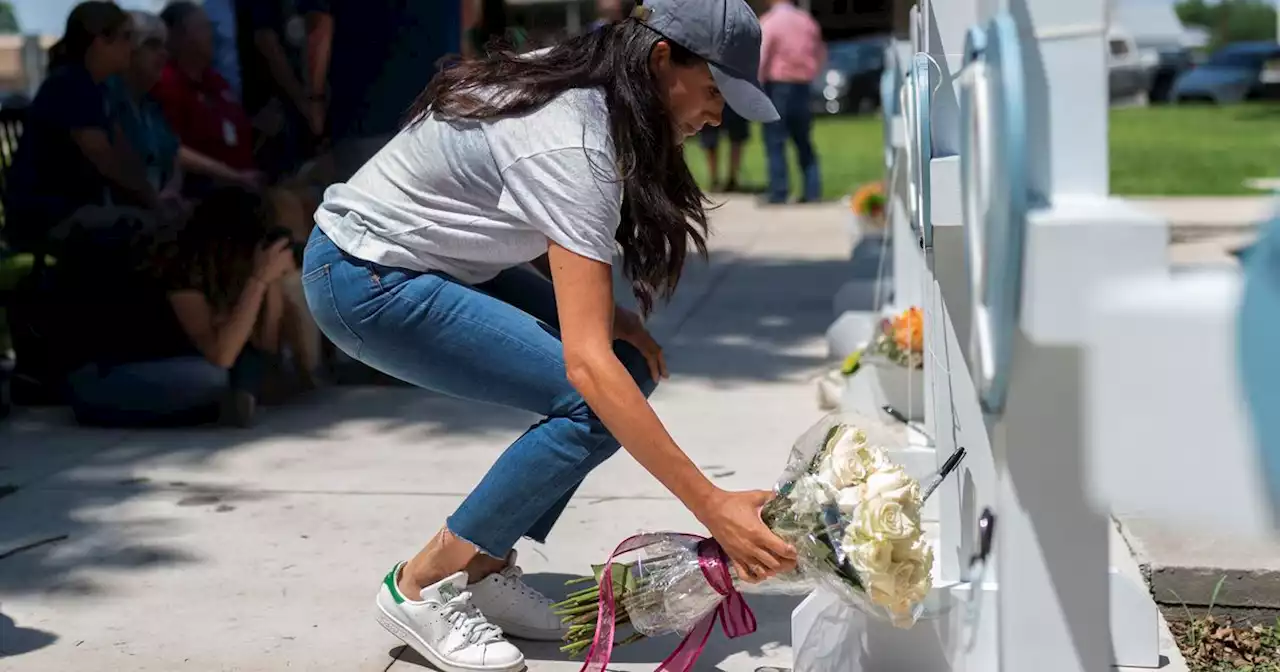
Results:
11 123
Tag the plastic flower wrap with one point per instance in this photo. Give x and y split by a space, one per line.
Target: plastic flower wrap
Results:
852 514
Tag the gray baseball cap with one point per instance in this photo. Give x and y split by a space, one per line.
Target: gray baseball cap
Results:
725 33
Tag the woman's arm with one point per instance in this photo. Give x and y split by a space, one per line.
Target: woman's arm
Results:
196 162
584 299
219 344
114 164
174 187
267 336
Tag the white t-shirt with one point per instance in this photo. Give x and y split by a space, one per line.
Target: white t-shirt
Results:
472 198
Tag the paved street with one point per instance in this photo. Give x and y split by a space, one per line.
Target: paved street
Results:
262 549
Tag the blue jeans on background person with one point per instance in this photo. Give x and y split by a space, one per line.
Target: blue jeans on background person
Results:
796 124
175 391
497 342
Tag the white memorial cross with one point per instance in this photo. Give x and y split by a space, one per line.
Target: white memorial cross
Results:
1040 231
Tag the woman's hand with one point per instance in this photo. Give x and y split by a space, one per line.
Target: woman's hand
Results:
271 262
627 326
733 518
252 180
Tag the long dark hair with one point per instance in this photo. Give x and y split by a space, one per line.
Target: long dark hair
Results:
87 22
214 252
663 209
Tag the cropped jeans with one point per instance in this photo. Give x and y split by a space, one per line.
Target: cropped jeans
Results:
496 342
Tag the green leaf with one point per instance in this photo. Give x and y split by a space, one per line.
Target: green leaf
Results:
621 575
851 363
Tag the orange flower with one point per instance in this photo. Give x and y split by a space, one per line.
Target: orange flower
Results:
868 199
908 330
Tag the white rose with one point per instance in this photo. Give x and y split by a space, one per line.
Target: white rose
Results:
878 459
894 484
851 498
882 592
913 567
894 585
853 538
846 463
871 557
848 439
809 496
887 519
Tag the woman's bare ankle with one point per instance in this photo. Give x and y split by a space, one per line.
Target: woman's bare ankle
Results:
442 557
414 577
483 565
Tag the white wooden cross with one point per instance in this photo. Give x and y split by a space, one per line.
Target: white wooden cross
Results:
1004 131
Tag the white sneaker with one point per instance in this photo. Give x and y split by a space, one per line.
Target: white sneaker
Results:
507 601
445 627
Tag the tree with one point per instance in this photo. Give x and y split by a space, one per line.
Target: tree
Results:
8 19
1230 20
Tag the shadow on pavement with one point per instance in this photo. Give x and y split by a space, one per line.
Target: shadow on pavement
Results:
763 320
74 508
15 640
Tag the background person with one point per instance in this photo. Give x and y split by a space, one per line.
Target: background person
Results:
139 117
202 108
187 335
368 60
67 161
738 132
791 56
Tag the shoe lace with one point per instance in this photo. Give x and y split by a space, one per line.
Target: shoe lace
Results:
461 614
515 578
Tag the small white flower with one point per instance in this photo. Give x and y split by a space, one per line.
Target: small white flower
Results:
851 498
810 496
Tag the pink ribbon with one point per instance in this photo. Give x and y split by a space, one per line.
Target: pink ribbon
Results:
736 618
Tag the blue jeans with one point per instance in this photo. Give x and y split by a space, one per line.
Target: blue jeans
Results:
497 342
796 123
160 393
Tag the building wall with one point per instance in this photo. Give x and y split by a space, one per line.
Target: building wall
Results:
12 74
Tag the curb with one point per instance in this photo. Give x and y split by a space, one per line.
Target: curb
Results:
1182 581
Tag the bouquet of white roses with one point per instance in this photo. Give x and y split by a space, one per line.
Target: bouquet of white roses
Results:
851 513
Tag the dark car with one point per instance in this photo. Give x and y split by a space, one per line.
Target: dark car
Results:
850 82
1172 63
1234 73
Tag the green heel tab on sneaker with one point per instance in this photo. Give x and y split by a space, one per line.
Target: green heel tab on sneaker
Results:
390 582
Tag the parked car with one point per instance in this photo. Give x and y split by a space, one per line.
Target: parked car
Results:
1174 61
1129 69
1235 73
850 82
1152 31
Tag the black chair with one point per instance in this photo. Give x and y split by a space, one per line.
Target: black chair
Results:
12 120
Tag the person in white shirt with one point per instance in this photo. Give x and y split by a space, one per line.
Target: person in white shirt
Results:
421 266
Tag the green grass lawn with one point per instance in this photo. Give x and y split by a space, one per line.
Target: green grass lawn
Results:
1168 150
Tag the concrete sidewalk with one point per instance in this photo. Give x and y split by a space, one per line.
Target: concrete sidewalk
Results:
1195 216
262 549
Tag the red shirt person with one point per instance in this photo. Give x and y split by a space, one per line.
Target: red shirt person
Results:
216 134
